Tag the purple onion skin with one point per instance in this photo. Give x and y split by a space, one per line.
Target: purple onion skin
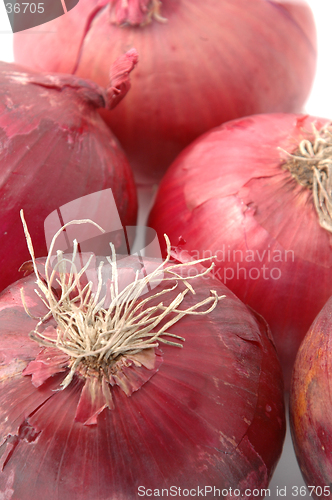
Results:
212 415
311 405
55 148
229 195
234 58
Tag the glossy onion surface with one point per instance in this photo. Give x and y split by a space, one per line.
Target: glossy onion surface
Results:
311 405
210 415
55 148
210 62
229 195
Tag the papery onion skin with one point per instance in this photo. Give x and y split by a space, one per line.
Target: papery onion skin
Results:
55 148
228 195
311 405
212 415
234 58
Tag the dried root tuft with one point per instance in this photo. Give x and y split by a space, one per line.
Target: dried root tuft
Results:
93 334
311 166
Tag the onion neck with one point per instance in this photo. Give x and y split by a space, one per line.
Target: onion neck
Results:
311 165
136 12
88 91
120 78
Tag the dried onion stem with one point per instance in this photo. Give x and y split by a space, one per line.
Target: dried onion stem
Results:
86 330
311 166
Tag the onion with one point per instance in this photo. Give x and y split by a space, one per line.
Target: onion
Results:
201 64
176 389
55 148
230 194
311 404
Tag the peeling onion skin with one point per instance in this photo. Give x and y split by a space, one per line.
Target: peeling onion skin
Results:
234 58
55 148
229 192
212 415
311 405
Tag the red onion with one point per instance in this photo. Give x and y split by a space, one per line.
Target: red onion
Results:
187 395
311 405
201 64
55 148
230 194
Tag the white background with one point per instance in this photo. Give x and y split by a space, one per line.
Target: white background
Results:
319 103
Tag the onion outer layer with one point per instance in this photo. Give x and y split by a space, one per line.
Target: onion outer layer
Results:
211 415
55 149
229 194
311 405
234 58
